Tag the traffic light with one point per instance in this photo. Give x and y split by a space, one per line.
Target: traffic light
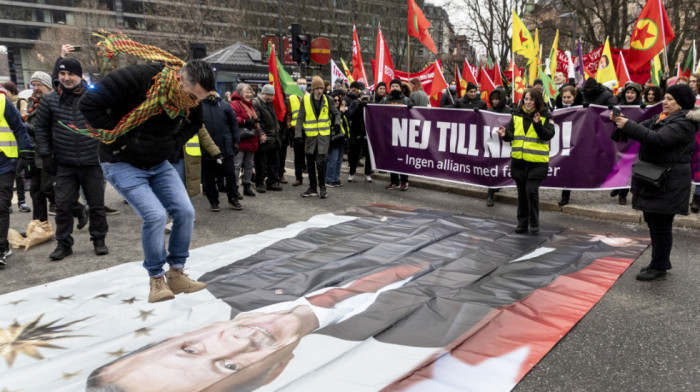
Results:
301 45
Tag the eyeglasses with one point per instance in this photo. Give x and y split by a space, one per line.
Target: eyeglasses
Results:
336 100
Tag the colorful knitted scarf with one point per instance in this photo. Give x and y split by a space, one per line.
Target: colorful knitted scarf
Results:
165 94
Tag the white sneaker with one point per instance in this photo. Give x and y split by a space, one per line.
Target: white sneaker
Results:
168 227
351 178
368 178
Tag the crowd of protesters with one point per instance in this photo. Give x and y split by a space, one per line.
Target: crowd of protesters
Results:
241 149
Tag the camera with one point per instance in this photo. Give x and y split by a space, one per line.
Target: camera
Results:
616 111
77 48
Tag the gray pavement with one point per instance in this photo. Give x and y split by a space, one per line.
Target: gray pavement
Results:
639 337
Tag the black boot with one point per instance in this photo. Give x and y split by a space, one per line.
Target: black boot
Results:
565 196
61 252
238 195
235 204
695 205
247 191
100 247
489 198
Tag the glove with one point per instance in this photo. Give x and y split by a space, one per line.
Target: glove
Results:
409 105
49 165
586 104
219 159
643 106
364 103
249 123
336 129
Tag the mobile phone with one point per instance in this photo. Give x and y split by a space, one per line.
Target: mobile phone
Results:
77 48
616 111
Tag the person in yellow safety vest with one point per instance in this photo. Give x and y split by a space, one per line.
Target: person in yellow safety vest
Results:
338 143
293 105
529 132
14 143
316 118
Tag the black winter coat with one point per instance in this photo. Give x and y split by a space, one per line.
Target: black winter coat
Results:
150 143
520 168
66 146
268 123
222 125
599 96
356 115
669 142
466 103
446 102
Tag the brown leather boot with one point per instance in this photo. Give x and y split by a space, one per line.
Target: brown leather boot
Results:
160 291
179 282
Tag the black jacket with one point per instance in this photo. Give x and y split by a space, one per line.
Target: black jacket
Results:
599 96
446 102
520 168
221 123
502 106
466 103
356 115
268 123
669 142
150 143
402 100
66 146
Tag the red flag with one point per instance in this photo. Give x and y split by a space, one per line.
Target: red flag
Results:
486 85
384 68
468 73
518 84
498 79
651 34
358 67
623 75
278 100
418 26
679 71
439 82
461 86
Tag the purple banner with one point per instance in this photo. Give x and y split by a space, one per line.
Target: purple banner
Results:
463 146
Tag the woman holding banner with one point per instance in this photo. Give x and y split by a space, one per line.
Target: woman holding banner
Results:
667 140
529 132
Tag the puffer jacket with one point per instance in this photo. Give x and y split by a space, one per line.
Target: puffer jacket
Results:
221 123
66 146
669 142
150 143
268 123
600 95
466 103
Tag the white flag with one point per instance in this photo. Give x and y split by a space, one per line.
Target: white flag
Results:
337 74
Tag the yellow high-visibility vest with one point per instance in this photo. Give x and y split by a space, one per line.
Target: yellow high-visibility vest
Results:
295 104
8 143
316 126
527 145
192 147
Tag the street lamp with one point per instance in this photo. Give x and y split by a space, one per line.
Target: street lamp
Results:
573 34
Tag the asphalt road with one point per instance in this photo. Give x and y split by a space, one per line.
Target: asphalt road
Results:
639 337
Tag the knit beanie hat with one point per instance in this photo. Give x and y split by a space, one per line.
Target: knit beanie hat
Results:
71 64
358 85
471 86
268 89
683 94
41 77
590 84
380 84
317 82
394 81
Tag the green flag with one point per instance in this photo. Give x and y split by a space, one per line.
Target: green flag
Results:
549 88
289 86
656 71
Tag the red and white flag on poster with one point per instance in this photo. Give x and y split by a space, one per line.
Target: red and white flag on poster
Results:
358 67
384 68
337 74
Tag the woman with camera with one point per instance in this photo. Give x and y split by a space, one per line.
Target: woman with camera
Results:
667 142
529 132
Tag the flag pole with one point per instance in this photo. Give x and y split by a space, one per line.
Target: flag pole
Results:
408 62
663 33
512 74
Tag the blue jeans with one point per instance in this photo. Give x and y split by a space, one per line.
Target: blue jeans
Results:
333 162
180 169
152 193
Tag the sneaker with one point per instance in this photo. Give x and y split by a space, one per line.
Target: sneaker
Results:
323 194
247 191
179 282
650 274
274 187
338 184
622 200
404 186
52 208
283 180
391 186
309 193
100 247
159 291
330 184
235 204
520 230
351 178
534 229
214 208
23 207
297 183
111 211
260 189
61 252
4 255
168 227
368 178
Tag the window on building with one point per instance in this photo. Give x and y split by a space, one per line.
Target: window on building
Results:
59 17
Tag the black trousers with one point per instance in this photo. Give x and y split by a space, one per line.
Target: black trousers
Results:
210 171
357 147
7 180
19 184
41 192
266 167
661 233
299 156
528 202
395 177
316 163
282 161
69 180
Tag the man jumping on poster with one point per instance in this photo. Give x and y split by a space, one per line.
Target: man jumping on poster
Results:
143 114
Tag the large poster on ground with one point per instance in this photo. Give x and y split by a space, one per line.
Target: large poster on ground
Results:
376 298
463 146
